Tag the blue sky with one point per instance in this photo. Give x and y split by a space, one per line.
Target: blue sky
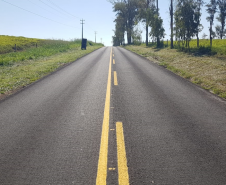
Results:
60 19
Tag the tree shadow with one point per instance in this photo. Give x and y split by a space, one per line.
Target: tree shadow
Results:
198 52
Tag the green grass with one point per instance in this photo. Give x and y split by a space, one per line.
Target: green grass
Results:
207 71
7 43
19 69
218 46
46 48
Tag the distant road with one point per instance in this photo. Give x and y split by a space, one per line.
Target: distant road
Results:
113 117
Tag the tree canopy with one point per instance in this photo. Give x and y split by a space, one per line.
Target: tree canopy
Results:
185 20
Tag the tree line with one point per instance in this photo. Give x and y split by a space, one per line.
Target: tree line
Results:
185 20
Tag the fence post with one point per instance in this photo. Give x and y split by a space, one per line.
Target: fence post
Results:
15 48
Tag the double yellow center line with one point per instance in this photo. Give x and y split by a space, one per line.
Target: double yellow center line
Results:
123 177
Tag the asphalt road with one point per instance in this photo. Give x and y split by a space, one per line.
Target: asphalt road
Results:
113 117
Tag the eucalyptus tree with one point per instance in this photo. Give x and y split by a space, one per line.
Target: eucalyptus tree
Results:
219 33
157 30
221 18
211 10
144 14
137 37
185 20
119 31
128 9
199 27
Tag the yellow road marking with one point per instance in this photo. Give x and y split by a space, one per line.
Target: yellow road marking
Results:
111 169
113 61
115 78
123 176
102 163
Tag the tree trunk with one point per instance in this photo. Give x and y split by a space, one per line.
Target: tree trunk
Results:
157 5
171 25
222 29
146 34
210 34
197 40
158 42
129 35
147 24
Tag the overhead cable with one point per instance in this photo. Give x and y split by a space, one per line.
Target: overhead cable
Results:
63 10
38 14
45 9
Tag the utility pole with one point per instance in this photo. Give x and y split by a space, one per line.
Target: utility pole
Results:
82 26
95 36
101 40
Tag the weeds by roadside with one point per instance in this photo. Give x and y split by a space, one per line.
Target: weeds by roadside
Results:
205 70
19 69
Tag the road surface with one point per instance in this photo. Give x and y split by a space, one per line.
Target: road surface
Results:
113 117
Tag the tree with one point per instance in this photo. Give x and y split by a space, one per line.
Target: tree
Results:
198 5
144 14
179 28
148 13
222 16
157 30
119 31
211 10
157 8
219 33
185 22
136 36
204 36
128 9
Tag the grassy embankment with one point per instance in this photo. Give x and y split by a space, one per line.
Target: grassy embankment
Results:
203 66
28 64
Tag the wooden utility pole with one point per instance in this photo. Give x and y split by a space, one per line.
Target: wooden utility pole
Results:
95 36
82 26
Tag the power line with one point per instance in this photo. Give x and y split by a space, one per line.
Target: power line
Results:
67 12
50 6
38 14
45 9
63 10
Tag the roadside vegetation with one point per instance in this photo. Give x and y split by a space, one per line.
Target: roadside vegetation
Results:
203 61
30 62
200 66
7 43
218 47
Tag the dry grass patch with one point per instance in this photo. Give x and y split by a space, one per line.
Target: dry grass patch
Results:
207 71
